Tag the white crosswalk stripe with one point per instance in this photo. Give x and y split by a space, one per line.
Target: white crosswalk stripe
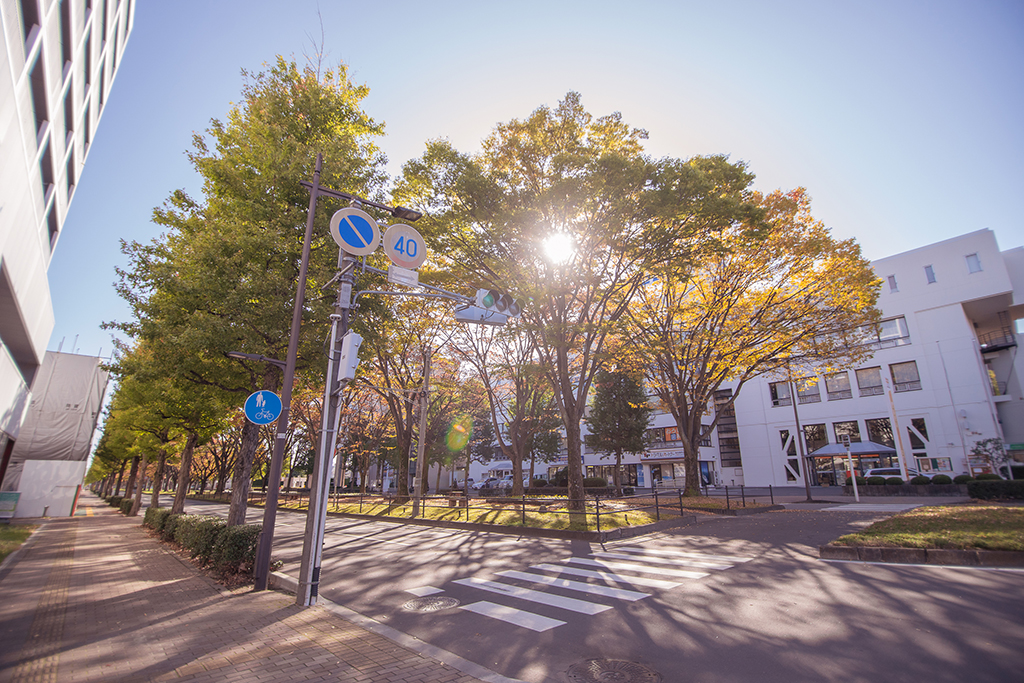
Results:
631 566
609 576
571 604
677 561
580 586
511 615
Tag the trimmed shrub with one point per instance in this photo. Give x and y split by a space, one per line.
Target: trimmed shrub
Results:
115 501
893 481
990 489
920 480
539 483
170 526
155 518
197 534
875 481
989 476
627 490
234 550
126 506
962 479
861 481
1017 471
595 482
941 479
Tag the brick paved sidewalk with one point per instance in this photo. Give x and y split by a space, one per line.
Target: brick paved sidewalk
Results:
95 598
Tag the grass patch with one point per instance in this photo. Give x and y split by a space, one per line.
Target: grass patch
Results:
959 527
12 536
556 516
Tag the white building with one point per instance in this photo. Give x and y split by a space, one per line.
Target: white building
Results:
59 61
947 351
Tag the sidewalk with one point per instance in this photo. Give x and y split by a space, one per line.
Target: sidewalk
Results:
95 598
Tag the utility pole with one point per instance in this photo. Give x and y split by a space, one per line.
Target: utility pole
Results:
421 465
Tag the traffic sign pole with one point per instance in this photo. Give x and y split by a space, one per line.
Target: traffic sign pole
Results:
261 570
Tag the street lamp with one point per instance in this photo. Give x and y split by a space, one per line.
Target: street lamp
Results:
238 355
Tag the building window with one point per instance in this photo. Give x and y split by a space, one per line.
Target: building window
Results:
929 273
807 390
880 431
815 436
780 394
656 437
29 21
886 334
38 83
838 386
65 30
973 263
905 376
869 381
51 225
850 429
705 439
892 283
46 171
70 174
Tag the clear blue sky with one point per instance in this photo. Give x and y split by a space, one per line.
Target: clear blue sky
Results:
902 119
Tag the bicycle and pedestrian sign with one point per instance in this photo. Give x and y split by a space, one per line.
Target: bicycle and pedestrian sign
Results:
263 407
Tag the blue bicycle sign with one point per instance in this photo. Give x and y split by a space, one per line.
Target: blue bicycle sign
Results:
263 407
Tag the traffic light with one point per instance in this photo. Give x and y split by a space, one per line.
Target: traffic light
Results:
493 300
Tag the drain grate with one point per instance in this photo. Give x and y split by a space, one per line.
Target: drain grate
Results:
612 671
431 603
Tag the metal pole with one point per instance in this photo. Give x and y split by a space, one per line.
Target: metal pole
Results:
262 564
316 514
421 471
897 435
853 473
804 463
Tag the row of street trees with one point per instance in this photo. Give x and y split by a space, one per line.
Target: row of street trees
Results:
671 271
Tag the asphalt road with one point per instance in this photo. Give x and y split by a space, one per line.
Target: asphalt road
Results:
726 599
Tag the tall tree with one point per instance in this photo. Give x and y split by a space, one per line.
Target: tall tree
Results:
618 418
223 277
770 292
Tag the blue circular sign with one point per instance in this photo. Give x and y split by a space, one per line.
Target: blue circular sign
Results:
355 231
263 407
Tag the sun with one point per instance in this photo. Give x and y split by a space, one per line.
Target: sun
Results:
559 248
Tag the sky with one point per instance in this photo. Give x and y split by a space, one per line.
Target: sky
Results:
901 118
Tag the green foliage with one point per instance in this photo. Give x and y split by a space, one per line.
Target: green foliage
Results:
941 479
235 547
170 527
893 481
962 479
126 505
875 481
619 415
197 534
995 489
595 482
155 518
115 501
861 481
920 480
988 476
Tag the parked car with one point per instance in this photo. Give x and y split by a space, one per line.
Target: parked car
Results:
894 472
489 482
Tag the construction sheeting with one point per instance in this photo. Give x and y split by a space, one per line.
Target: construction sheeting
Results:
66 398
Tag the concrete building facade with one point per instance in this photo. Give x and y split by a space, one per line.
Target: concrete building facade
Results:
944 375
58 62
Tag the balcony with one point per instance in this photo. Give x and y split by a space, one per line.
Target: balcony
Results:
997 340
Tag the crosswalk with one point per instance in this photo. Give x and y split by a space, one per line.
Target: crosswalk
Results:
625 574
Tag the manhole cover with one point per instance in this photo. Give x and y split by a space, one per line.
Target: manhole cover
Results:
612 671
430 604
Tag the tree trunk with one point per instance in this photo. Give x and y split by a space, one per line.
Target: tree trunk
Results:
241 478
616 474
158 479
577 494
129 489
184 474
138 492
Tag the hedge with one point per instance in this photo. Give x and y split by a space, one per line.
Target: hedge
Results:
235 547
963 479
126 506
155 518
170 526
197 533
595 482
987 489
115 501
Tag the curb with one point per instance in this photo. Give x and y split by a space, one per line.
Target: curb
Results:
288 584
739 512
592 536
936 556
8 564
